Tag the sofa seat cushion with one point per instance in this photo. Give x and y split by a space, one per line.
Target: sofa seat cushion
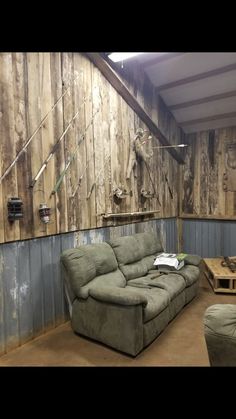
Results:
145 281
172 283
149 242
158 299
111 279
190 273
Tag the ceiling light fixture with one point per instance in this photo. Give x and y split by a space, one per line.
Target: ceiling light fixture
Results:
120 56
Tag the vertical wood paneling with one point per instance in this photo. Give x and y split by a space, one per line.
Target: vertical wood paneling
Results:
35 147
58 128
30 84
20 134
8 148
203 173
47 138
89 113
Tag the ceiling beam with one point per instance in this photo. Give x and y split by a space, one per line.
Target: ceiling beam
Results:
162 58
202 100
120 87
197 77
207 119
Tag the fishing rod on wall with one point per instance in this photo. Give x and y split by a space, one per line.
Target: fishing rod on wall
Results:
36 131
71 159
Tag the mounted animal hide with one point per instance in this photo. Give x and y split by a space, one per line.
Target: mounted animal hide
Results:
230 175
137 151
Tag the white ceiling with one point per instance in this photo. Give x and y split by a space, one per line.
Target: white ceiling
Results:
178 67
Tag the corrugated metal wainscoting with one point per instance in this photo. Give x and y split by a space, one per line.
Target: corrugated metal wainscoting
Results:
209 238
31 290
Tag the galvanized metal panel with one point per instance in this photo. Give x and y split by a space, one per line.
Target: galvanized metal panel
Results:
68 241
2 317
31 289
37 286
170 229
47 280
11 300
25 294
229 238
58 290
209 238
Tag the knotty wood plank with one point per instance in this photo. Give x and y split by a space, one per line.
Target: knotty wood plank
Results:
98 146
89 111
71 140
23 165
106 144
35 147
48 139
9 185
58 129
84 162
203 175
114 147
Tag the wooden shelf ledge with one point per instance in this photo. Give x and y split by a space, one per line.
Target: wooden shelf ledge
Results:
128 214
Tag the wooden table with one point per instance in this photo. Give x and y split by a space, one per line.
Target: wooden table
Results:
221 278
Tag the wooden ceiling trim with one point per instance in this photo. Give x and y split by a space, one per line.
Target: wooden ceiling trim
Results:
202 100
197 77
208 118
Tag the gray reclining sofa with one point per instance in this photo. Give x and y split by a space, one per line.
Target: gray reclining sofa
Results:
117 298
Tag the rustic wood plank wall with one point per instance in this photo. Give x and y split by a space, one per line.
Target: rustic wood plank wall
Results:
30 84
202 176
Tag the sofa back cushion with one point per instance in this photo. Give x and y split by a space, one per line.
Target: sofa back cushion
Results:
132 252
84 263
150 243
102 256
126 249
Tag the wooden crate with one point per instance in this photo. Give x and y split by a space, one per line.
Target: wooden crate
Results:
221 278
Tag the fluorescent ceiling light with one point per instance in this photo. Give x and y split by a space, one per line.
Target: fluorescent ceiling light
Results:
120 56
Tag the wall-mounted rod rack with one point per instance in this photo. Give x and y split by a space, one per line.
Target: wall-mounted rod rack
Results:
127 214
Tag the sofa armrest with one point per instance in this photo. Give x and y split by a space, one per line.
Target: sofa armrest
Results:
220 334
192 260
121 296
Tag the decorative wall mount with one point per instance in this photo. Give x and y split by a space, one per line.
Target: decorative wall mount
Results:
137 151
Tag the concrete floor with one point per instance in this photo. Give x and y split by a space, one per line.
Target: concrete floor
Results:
181 344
